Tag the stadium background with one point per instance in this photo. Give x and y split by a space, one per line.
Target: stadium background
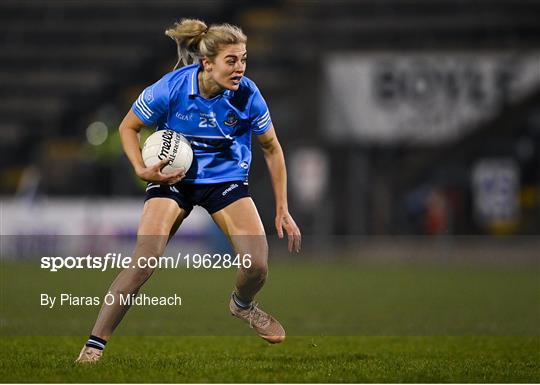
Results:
411 132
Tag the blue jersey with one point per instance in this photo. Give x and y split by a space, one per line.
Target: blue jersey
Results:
219 129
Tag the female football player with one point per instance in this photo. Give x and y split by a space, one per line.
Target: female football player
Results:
218 109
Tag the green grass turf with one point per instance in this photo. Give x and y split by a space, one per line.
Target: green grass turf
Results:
299 359
450 324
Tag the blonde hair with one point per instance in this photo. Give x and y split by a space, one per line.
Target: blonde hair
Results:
195 40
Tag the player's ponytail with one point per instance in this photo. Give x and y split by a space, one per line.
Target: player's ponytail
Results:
195 40
188 34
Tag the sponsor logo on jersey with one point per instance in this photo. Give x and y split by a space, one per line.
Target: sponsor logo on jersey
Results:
184 117
207 120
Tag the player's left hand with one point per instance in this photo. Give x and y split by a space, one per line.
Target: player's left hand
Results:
284 220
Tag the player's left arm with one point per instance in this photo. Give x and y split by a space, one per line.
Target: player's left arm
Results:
273 155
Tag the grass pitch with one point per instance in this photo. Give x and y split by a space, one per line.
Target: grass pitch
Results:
443 324
299 359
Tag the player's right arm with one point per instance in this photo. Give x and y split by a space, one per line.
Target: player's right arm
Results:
129 135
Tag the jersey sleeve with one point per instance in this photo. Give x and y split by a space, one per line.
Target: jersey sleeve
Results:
259 114
152 103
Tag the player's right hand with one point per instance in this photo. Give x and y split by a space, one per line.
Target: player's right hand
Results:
155 175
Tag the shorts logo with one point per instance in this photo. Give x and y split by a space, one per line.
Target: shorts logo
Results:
244 165
229 189
231 120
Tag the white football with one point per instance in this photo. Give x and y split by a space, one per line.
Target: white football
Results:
167 144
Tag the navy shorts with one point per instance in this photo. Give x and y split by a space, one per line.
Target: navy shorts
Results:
213 197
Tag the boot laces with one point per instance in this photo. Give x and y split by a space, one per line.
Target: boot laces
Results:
257 317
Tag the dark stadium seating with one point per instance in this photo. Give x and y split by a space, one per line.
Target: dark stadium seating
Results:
57 50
